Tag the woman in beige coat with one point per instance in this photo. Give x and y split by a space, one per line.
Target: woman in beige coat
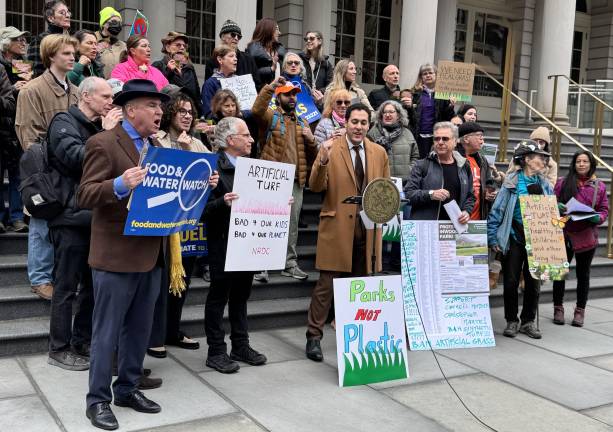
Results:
542 137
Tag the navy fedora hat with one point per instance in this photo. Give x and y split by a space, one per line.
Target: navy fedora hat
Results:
137 88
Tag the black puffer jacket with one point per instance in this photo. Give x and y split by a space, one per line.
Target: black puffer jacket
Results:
187 79
9 145
263 61
68 133
245 65
322 73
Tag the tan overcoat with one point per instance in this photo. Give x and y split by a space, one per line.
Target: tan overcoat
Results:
337 220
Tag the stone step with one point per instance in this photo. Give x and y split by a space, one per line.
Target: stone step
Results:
13 243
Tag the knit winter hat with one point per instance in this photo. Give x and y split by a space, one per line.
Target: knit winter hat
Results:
230 26
542 133
107 13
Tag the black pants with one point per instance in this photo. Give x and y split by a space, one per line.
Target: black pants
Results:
233 289
123 314
514 263
584 261
424 145
174 307
159 325
71 249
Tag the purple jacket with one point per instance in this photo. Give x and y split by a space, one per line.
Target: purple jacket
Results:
584 232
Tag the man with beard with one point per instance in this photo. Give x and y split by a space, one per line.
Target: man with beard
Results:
286 138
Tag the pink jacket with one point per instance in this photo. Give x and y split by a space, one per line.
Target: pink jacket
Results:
129 70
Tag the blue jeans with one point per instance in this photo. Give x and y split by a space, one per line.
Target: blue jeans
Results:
14 211
40 253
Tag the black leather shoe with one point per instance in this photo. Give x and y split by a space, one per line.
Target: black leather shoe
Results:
248 355
222 363
147 383
101 416
313 350
138 402
156 354
146 372
184 342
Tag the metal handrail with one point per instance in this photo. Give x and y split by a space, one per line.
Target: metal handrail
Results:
582 87
559 131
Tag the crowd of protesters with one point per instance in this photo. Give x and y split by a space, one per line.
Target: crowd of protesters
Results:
95 100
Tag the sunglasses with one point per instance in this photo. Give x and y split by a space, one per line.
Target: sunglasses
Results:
236 36
293 63
310 39
343 102
442 138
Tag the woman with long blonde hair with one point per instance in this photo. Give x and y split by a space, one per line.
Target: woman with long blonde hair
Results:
344 78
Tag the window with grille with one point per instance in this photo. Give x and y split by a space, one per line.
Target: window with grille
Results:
345 28
27 15
377 23
200 20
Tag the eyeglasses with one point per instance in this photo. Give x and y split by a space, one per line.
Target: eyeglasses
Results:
441 138
343 102
236 36
64 13
245 135
390 112
180 44
184 113
293 63
310 38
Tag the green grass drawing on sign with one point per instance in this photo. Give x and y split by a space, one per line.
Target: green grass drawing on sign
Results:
468 251
374 367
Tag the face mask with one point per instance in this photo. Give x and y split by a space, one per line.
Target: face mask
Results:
114 29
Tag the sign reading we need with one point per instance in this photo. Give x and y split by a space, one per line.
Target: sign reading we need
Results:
173 194
370 341
259 219
454 80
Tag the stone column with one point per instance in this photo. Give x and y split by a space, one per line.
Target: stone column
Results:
417 38
161 16
554 56
317 15
3 13
241 12
445 29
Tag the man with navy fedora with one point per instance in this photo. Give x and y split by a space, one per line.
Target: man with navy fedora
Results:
126 269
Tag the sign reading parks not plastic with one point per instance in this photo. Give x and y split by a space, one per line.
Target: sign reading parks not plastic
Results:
547 258
259 219
454 80
370 341
173 194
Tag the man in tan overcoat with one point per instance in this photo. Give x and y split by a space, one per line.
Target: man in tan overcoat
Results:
343 167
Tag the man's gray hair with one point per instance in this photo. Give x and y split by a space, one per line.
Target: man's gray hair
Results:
402 114
447 125
227 126
90 84
5 44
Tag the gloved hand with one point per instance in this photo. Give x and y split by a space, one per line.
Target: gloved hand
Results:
561 208
594 219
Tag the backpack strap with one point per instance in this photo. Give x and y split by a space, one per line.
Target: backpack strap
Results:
595 197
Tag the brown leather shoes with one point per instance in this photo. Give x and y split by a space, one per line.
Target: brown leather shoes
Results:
579 317
44 291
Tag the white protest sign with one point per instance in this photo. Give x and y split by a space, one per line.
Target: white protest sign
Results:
259 219
370 336
445 285
243 88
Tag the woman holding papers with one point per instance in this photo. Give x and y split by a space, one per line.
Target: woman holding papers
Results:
580 186
505 234
226 61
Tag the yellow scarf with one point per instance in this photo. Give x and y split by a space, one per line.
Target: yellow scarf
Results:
176 272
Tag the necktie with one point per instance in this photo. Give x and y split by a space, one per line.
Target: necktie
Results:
358 168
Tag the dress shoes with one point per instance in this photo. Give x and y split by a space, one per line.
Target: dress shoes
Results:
138 402
101 416
184 342
156 353
148 383
313 350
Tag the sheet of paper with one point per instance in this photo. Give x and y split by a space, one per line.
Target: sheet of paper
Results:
574 206
454 212
368 224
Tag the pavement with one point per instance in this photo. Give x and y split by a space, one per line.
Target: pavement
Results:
563 382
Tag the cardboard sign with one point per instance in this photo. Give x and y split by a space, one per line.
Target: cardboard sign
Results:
140 25
454 80
193 243
173 194
259 219
243 88
547 258
445 285
21 66
370 340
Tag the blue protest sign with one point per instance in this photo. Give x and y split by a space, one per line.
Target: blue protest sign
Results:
305 106
193 243
173 194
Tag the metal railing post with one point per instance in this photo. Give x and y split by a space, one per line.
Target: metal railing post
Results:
610 225
598 123
554 98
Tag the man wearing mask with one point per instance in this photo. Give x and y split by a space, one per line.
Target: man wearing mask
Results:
57 16
230 34
109 46
288 140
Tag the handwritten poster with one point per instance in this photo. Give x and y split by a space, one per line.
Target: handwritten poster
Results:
454 80
445 285
370 341
259 219
547 258
243 88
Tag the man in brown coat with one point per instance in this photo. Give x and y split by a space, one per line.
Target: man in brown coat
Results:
38 102
126 270
285 138
343 168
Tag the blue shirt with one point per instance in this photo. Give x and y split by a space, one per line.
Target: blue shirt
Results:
120 189
231 158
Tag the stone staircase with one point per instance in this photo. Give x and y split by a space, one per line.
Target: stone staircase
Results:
24 318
